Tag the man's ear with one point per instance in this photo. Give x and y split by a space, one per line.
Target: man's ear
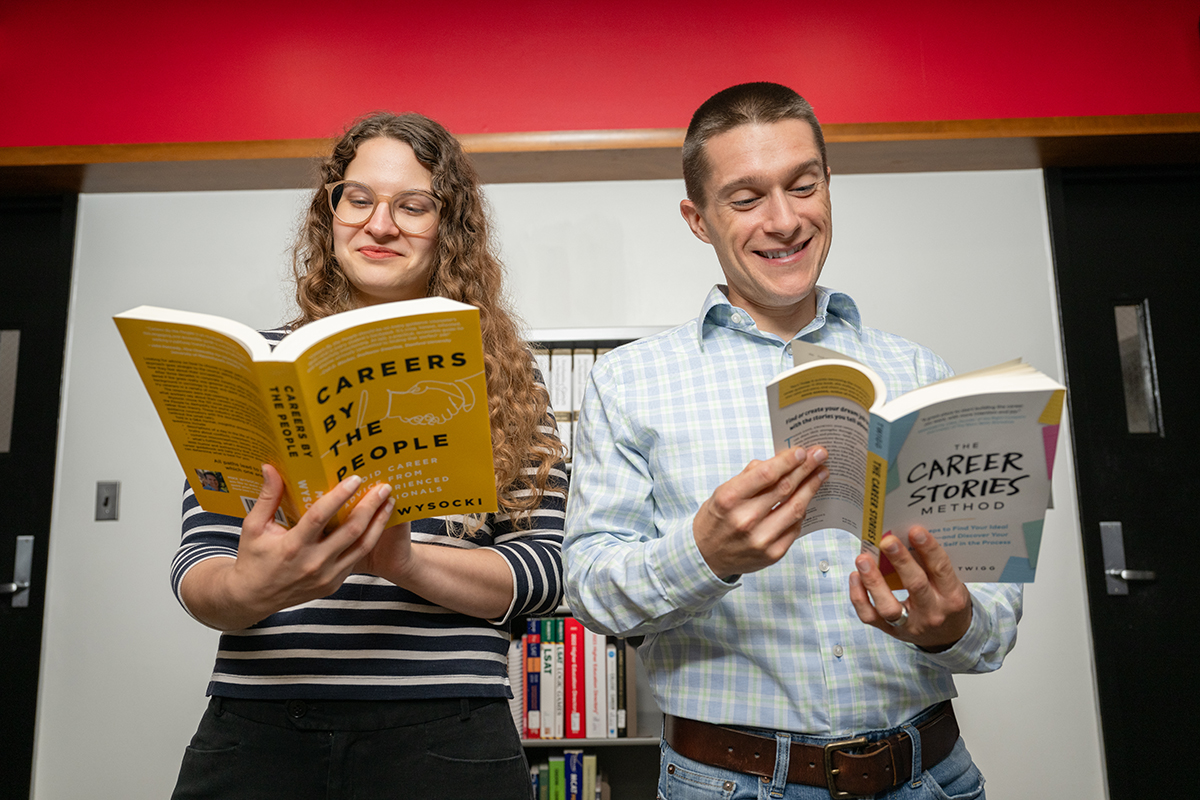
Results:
694 219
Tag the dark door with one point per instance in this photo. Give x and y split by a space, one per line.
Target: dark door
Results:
1127 256
36 246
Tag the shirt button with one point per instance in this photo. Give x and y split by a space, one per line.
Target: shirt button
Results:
736 319
789 349
838 651
823 566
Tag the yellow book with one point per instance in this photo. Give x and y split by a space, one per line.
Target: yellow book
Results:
393 392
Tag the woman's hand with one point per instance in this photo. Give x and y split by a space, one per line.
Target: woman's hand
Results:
278 567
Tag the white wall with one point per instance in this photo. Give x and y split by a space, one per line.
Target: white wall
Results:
958 261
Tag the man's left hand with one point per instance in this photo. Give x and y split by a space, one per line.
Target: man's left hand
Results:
937 612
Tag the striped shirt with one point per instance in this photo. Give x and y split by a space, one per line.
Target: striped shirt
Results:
372 640
665 421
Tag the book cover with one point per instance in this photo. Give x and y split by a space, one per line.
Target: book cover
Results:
549 680
533 675
574 679
970 458
595 684
573 774
392 392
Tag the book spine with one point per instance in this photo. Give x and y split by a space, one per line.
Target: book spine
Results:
595 684
544 781
292 424
631 690
622 667
549 679
589 776
573 774
573 679
558 785
560 695
533 682
610 677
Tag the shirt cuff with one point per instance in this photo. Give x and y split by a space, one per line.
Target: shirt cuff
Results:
683 576
965 653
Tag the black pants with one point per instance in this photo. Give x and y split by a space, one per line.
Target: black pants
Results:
335 750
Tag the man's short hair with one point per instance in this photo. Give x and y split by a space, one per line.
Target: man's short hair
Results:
744 104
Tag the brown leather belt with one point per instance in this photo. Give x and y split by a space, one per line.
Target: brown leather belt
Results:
876 767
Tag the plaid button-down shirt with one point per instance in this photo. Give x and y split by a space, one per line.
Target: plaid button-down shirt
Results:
664 422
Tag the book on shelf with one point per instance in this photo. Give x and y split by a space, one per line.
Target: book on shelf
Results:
392 392
595 682
560 392
574 671
970 457
549 680
558 778
532 641
611 643
589 776
573 774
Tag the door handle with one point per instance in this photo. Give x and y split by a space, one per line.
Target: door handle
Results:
22 573
1116 576
1132 574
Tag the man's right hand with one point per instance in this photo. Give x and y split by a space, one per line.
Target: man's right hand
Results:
752 519
278 567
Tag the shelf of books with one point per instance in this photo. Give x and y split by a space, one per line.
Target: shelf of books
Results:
583 705
590 725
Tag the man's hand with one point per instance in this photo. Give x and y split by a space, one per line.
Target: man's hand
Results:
938 610
752 519
278 567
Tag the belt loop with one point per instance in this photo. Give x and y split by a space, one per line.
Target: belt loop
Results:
783 755
464 712
915 735
218 705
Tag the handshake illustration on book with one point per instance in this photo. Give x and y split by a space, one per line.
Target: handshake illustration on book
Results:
970 457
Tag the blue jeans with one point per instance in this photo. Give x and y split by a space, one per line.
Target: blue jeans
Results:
953 778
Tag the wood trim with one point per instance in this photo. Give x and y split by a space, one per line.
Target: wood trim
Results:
620 154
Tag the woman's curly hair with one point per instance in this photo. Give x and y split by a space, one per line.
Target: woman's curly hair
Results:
465 268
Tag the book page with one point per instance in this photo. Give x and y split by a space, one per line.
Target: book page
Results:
827 404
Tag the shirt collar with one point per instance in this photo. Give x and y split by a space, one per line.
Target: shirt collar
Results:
718 311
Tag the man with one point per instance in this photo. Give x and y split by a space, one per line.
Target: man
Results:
756 646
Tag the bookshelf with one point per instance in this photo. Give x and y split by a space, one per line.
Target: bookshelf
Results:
630 765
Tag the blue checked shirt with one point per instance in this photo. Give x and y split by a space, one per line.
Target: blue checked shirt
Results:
664 422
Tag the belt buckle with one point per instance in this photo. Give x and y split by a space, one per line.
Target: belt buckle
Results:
831 773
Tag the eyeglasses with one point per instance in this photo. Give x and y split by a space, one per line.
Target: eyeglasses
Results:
414 211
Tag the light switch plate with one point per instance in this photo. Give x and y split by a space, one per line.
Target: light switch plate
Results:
107 495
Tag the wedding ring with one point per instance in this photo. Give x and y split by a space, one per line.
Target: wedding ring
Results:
899 621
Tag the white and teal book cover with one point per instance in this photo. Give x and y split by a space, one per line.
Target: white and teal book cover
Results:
970 458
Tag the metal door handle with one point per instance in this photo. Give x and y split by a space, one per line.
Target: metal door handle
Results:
13 588
1132 574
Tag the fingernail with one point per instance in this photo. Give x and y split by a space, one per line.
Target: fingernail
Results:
891 545
353 482
917 537
800 454
384 490
823 474
863 563
820 454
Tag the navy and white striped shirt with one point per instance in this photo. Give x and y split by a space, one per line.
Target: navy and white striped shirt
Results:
372 640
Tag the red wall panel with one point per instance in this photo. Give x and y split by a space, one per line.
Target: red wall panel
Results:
82 72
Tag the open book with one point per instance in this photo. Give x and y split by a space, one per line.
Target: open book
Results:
394 393
970 458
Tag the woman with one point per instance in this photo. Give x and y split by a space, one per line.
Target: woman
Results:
361 661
